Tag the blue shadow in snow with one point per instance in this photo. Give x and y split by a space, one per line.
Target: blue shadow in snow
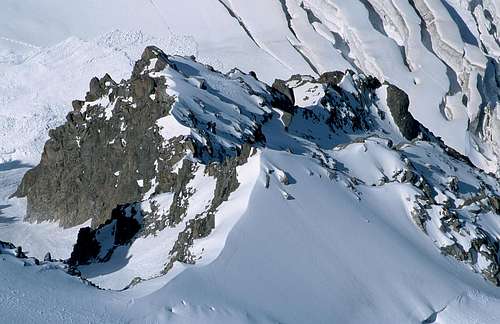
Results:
12 165
3 219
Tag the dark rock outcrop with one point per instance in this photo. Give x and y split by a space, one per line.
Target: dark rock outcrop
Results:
86 247
332 78
97 160
47 257
6 246
122 227
111 152
399 103
19 253
284 98
203 224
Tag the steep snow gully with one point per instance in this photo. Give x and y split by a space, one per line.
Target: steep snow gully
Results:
267 161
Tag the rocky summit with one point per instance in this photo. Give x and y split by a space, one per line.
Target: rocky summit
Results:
159 153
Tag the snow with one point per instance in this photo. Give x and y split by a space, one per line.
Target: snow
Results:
230 212
369 161
347 84
274 39
170 128
336 252
147 256
292 232
36 94
231 103
307 94
336 257
36 239
471 307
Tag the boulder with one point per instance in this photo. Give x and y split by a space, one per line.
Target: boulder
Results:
47 257
19 253
331 78
399 103
281 87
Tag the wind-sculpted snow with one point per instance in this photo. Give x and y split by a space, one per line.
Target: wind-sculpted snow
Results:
199 175
360 187
224 111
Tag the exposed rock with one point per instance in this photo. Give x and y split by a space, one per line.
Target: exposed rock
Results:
481 246
111 156
283 177
113 162
456 155
47 257
399 103
341 110
420 216
19 253
286 195
495 203
286 118
203 224
281 87
151 53
77 105
126 225
331 78
86 247
6 245
372 83
253 74
268 180
455 250
81 158
122 227
181 193
453 184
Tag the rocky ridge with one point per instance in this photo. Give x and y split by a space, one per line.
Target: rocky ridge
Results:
144 150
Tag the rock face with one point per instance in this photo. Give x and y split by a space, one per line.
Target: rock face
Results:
113 149
331 78
98 159
86 247
143 219
6 246
98 245
288 101
398 102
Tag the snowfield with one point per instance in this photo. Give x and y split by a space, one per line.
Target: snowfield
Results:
326 253
322 228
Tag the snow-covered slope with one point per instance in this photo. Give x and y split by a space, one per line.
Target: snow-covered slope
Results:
303 235
340 209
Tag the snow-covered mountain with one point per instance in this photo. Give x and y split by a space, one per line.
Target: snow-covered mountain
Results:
267 161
